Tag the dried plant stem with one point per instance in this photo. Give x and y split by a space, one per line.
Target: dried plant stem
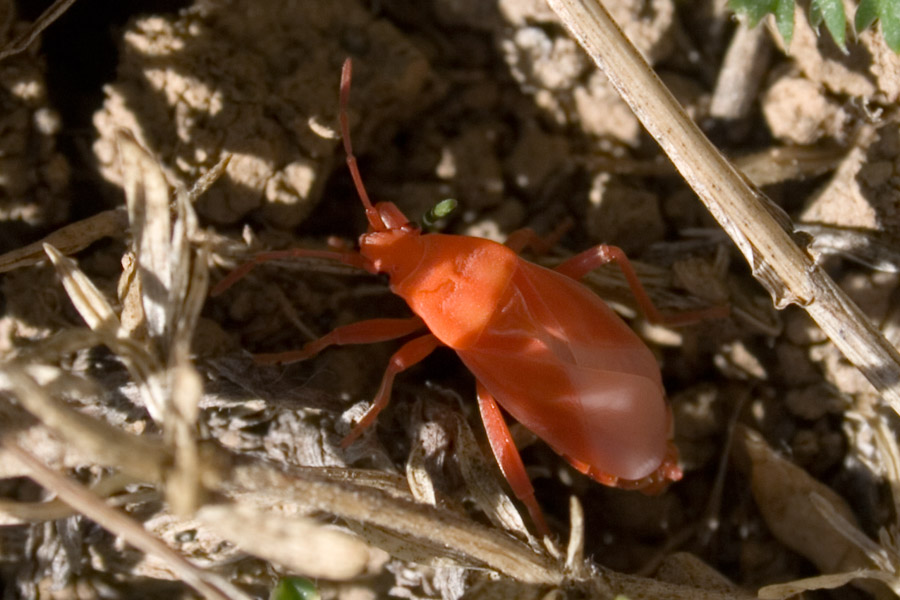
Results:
789 273
85 502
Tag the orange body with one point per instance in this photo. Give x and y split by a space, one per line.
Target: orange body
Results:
551 352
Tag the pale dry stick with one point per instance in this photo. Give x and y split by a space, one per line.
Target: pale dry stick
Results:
91 506
69 239
52 510
742 72
788 272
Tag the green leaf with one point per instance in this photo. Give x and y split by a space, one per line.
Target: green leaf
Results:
866 13
889 14
815 18
832 12
755 10
784 18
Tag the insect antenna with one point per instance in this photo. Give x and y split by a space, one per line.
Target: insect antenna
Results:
372 213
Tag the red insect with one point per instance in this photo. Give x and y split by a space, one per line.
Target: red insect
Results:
540 344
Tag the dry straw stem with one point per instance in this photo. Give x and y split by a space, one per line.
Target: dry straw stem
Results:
755 225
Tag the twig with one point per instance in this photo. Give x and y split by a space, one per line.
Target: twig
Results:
755 225
69 239
742 73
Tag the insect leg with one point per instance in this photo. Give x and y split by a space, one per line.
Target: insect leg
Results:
364 332
520 239
410 353
350 258
507 456
523 238
581 264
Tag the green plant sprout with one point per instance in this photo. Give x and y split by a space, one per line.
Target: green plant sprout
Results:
294 588
438 212
830 12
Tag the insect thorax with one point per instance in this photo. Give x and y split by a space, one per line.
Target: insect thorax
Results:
456 285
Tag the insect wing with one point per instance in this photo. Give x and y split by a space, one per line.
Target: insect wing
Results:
562 363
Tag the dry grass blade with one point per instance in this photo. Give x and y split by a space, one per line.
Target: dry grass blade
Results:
173 284
190 278
187 293
88 301
642 588
877 554
790 274
147 196
688 569
69 239
575 548
207 179
775 165
183 486
867 248
57 509
420 483
742 72
99 315
16 513
851 532
138 456
79 498
821 582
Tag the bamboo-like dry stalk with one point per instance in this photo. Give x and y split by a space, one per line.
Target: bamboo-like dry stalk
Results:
758 228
